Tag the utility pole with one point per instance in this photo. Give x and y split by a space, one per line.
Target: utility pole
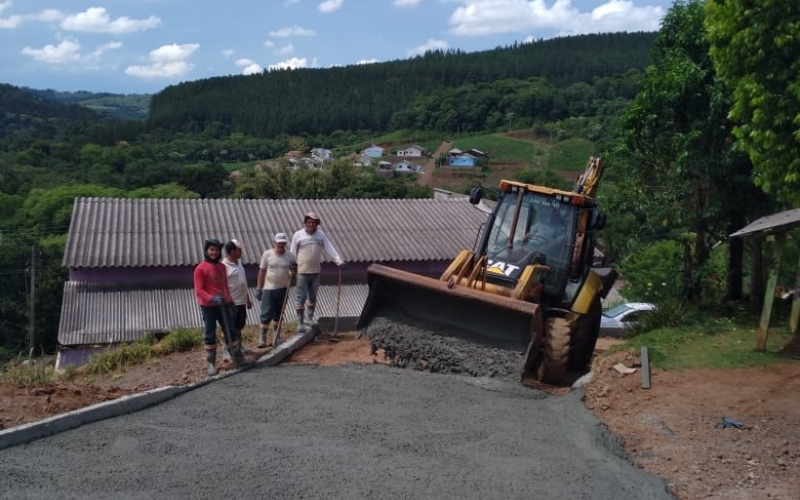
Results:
32 307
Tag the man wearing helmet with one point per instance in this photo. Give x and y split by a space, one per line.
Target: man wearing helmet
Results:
310 246
216 304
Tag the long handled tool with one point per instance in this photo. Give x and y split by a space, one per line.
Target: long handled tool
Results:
278 325
338 300
235 351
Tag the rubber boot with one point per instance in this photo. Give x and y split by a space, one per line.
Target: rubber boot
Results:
262 337
226 353
211 360
311 321
238 356
301 325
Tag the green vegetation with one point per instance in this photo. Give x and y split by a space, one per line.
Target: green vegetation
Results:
501 148
571 154
713 342
133 353
27 375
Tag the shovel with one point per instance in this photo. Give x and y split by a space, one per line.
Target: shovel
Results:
277 340
335 338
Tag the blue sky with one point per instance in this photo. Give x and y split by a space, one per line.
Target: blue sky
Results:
142 46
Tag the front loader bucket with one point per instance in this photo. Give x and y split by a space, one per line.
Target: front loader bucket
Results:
413 303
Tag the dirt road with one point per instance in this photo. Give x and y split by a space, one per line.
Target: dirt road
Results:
426 177
352 431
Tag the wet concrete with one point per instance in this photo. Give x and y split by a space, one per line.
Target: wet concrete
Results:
410 344
340 432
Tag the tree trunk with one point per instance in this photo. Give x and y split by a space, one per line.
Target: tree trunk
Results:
735 258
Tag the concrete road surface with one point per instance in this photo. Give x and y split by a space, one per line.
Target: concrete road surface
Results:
344 432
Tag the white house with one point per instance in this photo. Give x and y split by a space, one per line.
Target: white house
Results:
406 167
413 151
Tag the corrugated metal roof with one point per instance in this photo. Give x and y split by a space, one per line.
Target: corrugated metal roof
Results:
771 224
119 232
95 313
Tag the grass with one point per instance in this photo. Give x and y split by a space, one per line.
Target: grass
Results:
142 351
712 343
571 154
502 148
27 375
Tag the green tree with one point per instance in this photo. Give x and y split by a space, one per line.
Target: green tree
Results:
50 210
677 133
755 47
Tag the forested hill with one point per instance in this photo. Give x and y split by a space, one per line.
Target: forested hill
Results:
366 97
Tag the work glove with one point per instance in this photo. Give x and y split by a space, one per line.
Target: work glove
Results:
259 294
216 300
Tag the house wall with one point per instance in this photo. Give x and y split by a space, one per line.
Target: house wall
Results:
461 162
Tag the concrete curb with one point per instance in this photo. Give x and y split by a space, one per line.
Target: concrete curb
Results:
22 434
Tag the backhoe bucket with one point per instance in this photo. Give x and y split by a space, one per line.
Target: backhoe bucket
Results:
412 303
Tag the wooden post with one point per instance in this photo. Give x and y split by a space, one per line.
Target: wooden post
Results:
769 293
794 319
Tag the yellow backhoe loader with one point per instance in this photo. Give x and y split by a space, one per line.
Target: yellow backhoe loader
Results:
528 287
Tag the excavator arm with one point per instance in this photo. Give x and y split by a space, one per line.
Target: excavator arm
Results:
587 182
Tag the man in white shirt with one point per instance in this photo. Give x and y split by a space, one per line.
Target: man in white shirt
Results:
237 285
274 276
310 246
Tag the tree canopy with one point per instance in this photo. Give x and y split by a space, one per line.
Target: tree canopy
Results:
755 47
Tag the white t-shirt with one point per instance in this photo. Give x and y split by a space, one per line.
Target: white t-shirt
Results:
237 281
277 268
311 249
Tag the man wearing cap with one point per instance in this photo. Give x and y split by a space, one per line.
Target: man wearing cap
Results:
237 284
274 276
310 246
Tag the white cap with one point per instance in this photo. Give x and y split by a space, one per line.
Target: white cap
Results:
281 238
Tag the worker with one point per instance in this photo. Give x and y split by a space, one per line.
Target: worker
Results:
274 277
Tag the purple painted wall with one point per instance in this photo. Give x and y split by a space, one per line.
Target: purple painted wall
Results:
353 273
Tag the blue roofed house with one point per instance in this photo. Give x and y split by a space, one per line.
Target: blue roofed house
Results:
131 261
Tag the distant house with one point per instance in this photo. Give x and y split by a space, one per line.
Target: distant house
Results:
374 151
320 155
363 161
413 151
385 166
406 167
131 261
476 152
462 160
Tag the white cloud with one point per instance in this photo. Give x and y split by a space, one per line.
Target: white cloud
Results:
13 21
484 17
431 44
286 49
269 44
367 61
292 63
167 61
68 50
228 53
287 3
292 31
330 5
249 66
96 20
406 3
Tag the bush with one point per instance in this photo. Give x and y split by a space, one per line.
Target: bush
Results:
28 375
121 357
180 340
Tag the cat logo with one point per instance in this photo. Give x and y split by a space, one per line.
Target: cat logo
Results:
497 267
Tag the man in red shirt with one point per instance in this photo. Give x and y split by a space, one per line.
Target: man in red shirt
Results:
216 305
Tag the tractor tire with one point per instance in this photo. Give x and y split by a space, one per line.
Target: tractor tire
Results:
584 337
556 351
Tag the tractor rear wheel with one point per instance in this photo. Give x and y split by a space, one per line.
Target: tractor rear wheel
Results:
584 337
556 351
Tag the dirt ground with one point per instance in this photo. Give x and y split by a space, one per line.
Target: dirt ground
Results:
669 429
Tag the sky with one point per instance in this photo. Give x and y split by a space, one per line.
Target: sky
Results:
143 46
